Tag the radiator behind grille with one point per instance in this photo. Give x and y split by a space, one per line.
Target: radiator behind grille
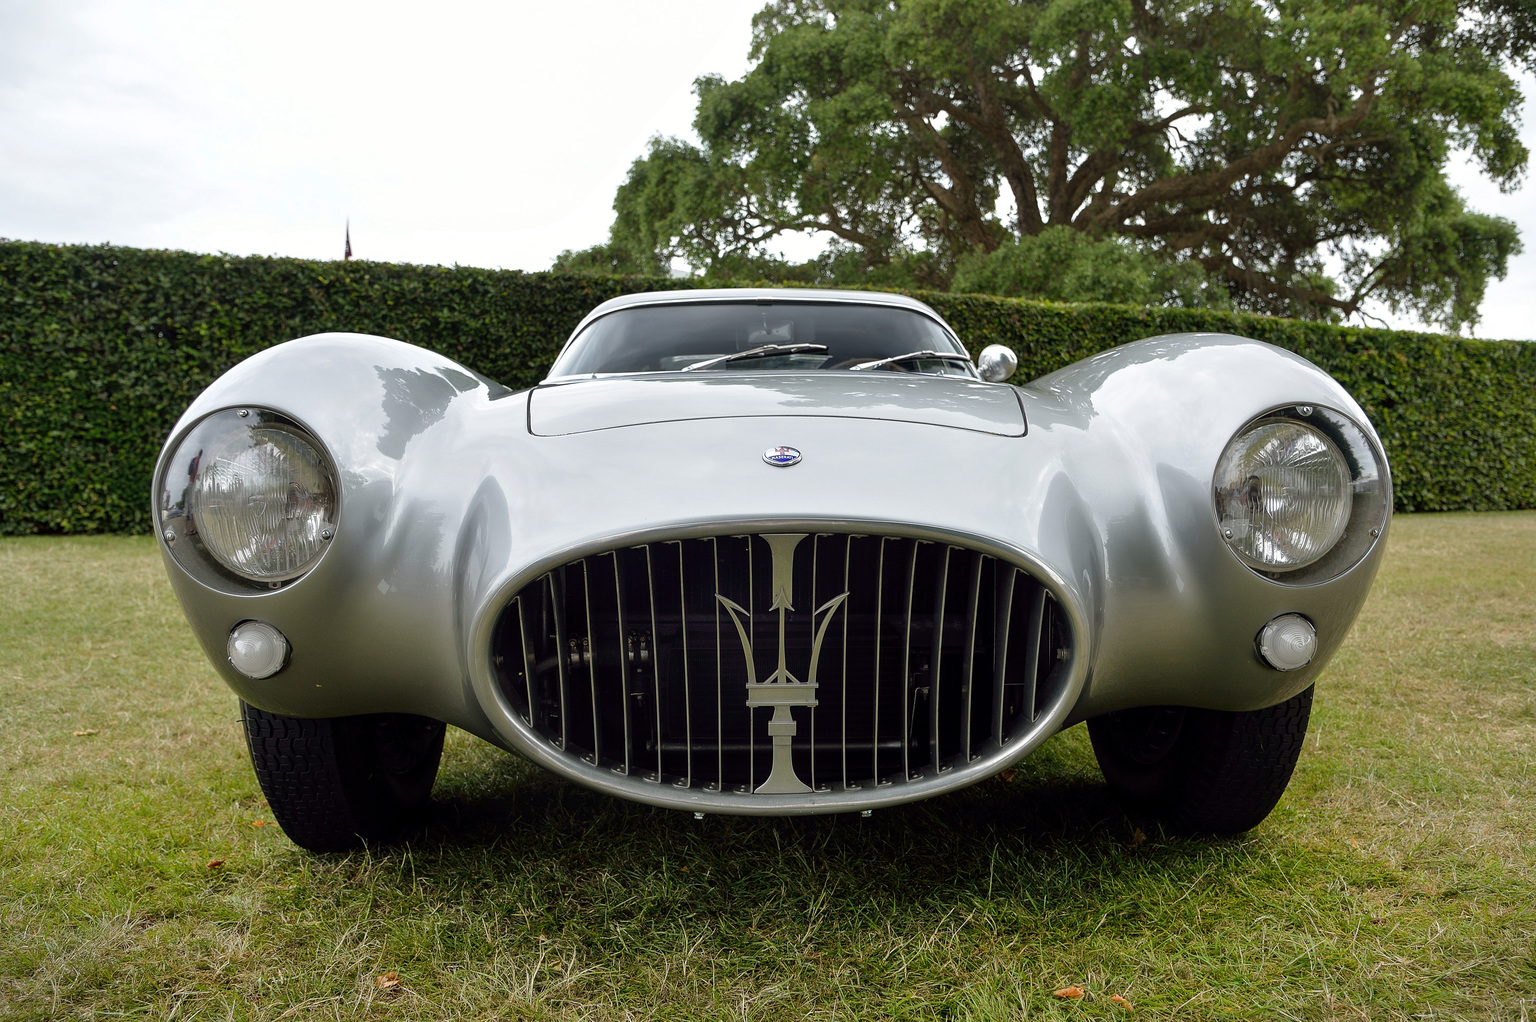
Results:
930 656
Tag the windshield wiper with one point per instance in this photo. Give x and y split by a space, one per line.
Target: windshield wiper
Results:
946 356
764 351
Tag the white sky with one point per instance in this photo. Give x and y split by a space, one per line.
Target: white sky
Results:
487 134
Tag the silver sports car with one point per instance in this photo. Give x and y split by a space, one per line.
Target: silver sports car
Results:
771 552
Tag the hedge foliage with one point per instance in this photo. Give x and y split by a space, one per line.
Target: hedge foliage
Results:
101 348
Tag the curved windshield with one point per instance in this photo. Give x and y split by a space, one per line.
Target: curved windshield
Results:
753 336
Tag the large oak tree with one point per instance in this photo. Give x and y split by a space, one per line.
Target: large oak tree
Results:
1251 137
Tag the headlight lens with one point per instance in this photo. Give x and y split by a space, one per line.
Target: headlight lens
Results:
248 496
260 501
1283 495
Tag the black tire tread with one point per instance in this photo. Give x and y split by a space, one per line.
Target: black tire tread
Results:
1245 767
1224 775
320 781
295 763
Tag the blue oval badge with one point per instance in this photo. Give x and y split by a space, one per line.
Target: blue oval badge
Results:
782 456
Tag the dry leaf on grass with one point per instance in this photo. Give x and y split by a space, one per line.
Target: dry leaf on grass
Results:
1008 775
388 981
86 732
258 823
215 863
1073 993
1117 999
1138 837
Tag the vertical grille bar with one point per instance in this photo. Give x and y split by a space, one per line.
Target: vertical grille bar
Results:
906 673
815 563
714 547
682 607
752 636
589 659
1002 615
874 752
972 616
1036 624
557 601
650 589
935 668
847 562
527 655
623 645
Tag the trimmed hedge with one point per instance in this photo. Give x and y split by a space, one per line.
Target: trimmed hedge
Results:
101 348
104 347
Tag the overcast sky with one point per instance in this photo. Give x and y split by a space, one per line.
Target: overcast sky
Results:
487 134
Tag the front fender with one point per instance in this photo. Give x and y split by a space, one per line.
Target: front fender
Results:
378 624
1143 426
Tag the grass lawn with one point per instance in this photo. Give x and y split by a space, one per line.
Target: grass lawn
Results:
1397 879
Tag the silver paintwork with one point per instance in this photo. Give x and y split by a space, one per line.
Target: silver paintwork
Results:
586 405
452 502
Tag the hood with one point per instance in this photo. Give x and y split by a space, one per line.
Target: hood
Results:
581 406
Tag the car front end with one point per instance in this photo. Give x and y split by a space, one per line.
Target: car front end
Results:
772 592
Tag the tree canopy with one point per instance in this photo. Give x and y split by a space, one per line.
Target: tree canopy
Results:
1066 265
1294 151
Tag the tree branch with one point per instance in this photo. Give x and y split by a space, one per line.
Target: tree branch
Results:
1267 157
1252 280
959 200
993 126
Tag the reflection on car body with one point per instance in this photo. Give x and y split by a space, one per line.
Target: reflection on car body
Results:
771 552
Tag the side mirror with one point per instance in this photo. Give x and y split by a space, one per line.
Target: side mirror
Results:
997 363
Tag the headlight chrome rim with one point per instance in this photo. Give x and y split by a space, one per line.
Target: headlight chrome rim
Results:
236 547
1370 494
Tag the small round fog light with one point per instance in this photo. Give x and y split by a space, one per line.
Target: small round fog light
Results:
1288 643
257 650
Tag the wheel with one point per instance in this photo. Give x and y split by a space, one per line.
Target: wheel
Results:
1206 771
337 783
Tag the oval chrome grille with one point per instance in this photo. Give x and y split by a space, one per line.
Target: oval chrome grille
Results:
782 663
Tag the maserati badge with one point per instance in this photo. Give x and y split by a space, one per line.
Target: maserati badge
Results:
783 457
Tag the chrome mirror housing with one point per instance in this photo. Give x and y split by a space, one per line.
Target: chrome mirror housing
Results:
997 363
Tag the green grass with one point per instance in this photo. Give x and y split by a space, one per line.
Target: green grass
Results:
1397 879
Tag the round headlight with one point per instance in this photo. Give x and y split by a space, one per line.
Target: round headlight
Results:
261 501
1283 495
247 496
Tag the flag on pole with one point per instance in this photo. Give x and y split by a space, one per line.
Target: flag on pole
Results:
348 253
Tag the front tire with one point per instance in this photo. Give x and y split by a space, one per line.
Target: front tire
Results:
1206 771
338 783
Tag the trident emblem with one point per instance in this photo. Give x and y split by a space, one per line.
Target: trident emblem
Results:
782 690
